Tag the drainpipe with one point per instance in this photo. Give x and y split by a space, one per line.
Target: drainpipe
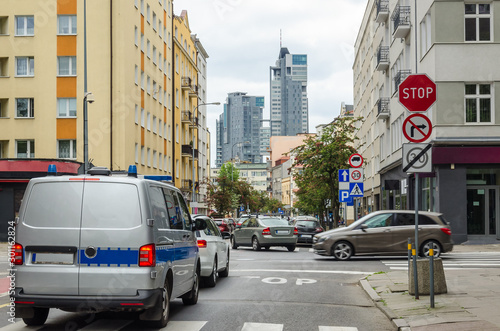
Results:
111 85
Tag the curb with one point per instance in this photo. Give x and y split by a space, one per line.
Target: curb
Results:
400 323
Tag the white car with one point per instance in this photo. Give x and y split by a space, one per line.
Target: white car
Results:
214 252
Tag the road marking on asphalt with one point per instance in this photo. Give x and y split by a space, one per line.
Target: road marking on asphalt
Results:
185 325
4 305
306 271
337 328
111 325
262 327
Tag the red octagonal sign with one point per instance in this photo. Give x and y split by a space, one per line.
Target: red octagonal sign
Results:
417 93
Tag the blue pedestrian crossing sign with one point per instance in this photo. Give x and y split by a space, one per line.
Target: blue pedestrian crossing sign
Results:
356 189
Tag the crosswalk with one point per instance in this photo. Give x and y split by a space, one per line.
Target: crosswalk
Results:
455 261
182 326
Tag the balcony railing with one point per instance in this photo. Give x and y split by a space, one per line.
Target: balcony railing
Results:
186 117
187 150
382 58
383 108
400 77
382 11
186 83
194 91
401 21
186 185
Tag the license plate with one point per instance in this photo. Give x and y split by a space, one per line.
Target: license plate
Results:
306 235
282 232
51 258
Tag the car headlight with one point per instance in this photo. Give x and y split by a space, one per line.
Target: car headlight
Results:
317 240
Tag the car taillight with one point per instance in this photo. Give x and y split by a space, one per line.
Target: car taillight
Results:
202 243
16 254
446 230
318 229
147 256
266 232
295 232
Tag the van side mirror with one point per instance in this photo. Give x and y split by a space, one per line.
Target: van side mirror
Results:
199 224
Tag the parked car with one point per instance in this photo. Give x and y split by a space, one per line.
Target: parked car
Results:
76 234
307 227
224 225
264 232
214 252
386 232
242 219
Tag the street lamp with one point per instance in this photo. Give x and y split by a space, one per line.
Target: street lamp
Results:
192 147
88 98
85 93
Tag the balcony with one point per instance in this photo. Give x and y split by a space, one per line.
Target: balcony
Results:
382 58
186 117
401 21
186 83
400 77
186 185
193 93
187 151
383 108
382 11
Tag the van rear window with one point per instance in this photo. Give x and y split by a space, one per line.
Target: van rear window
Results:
55 204
112 205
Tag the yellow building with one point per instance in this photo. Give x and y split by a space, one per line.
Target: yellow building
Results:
142 108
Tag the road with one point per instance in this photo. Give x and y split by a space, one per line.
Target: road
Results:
270 290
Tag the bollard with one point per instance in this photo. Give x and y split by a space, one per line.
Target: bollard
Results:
431 271
415 275
409 253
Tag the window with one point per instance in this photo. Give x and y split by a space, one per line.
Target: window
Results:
142 117
477 22
25 66
136 75
142 42
136 36
148 85
142 155
142 7
148 52
148 13
66 107
478 103
66 24
67 149
149 121
155 164
66 65
177 168
149 157
25 149
136 153
155 91
25 107
154 55
25 25
142 79
154 21
154 124
136 114
177 133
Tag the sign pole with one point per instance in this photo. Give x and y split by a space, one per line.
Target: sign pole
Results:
415 272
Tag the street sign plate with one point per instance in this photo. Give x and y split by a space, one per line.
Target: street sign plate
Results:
417 93
356 160
417 128
355 175
344 196
343 175
344 186
423 164
356 189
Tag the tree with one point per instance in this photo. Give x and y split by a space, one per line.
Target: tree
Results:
321 157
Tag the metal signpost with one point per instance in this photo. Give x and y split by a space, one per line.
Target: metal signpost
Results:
351 183
417 93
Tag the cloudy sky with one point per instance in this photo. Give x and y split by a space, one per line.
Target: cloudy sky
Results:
242 38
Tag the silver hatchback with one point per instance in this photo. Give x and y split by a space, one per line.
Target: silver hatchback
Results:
386 232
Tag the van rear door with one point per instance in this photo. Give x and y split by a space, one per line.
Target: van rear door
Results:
50 234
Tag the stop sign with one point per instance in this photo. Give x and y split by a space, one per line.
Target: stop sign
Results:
417 92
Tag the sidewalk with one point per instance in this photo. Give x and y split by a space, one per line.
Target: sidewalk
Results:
472 301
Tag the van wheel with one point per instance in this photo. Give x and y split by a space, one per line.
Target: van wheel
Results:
191 298
211 280
233 243
255 244
225 272
39 317
165 303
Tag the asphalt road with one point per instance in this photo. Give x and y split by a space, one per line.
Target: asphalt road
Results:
266 290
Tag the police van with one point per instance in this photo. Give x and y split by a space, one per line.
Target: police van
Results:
104 242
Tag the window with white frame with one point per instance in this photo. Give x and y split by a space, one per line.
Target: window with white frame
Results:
160 61
142 155
136 114
160 128
154 55
160 29
155 91
142 7
160 161
478 105
136 36
66 149
425 34
154 21
66 65
478 22
148 52
66 24
154 124
177 133
142 42
142 79
136 153
148 13
136 3
25 66
148 85
155 164
25 107
142 117
25 25
148 123
25 149
66 107
149 157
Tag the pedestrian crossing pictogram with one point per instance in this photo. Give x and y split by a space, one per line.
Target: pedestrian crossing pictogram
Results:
356 189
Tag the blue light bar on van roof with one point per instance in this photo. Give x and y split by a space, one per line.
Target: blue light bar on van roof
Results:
132 171
52 171
159 178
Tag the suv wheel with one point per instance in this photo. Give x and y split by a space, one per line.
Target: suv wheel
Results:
191 298
342 250
426 246
39 317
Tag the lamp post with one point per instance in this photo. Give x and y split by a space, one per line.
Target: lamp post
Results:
85 93
192 147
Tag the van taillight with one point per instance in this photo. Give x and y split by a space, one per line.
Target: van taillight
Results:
446 230
202 243
147 256
16 254
266 232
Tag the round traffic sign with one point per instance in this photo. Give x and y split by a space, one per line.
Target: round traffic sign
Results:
417 93
356 175
413 153
356 160
417 128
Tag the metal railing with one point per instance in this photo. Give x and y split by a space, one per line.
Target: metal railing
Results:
186 116
401 16
400 77
186 184
383 106
382 6
382 54
186 82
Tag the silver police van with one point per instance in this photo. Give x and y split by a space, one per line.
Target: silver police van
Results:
103 242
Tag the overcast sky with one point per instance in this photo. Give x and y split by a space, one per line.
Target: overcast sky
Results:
242 39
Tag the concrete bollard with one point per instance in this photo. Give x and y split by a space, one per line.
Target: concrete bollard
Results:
424 279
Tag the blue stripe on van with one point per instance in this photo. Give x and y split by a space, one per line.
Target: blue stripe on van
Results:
164 254
108 256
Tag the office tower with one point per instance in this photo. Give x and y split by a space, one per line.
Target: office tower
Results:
288 94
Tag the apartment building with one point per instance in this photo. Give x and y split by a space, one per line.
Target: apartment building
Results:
456 43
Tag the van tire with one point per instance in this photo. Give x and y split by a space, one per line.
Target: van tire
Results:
39 317
165 310
191 298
